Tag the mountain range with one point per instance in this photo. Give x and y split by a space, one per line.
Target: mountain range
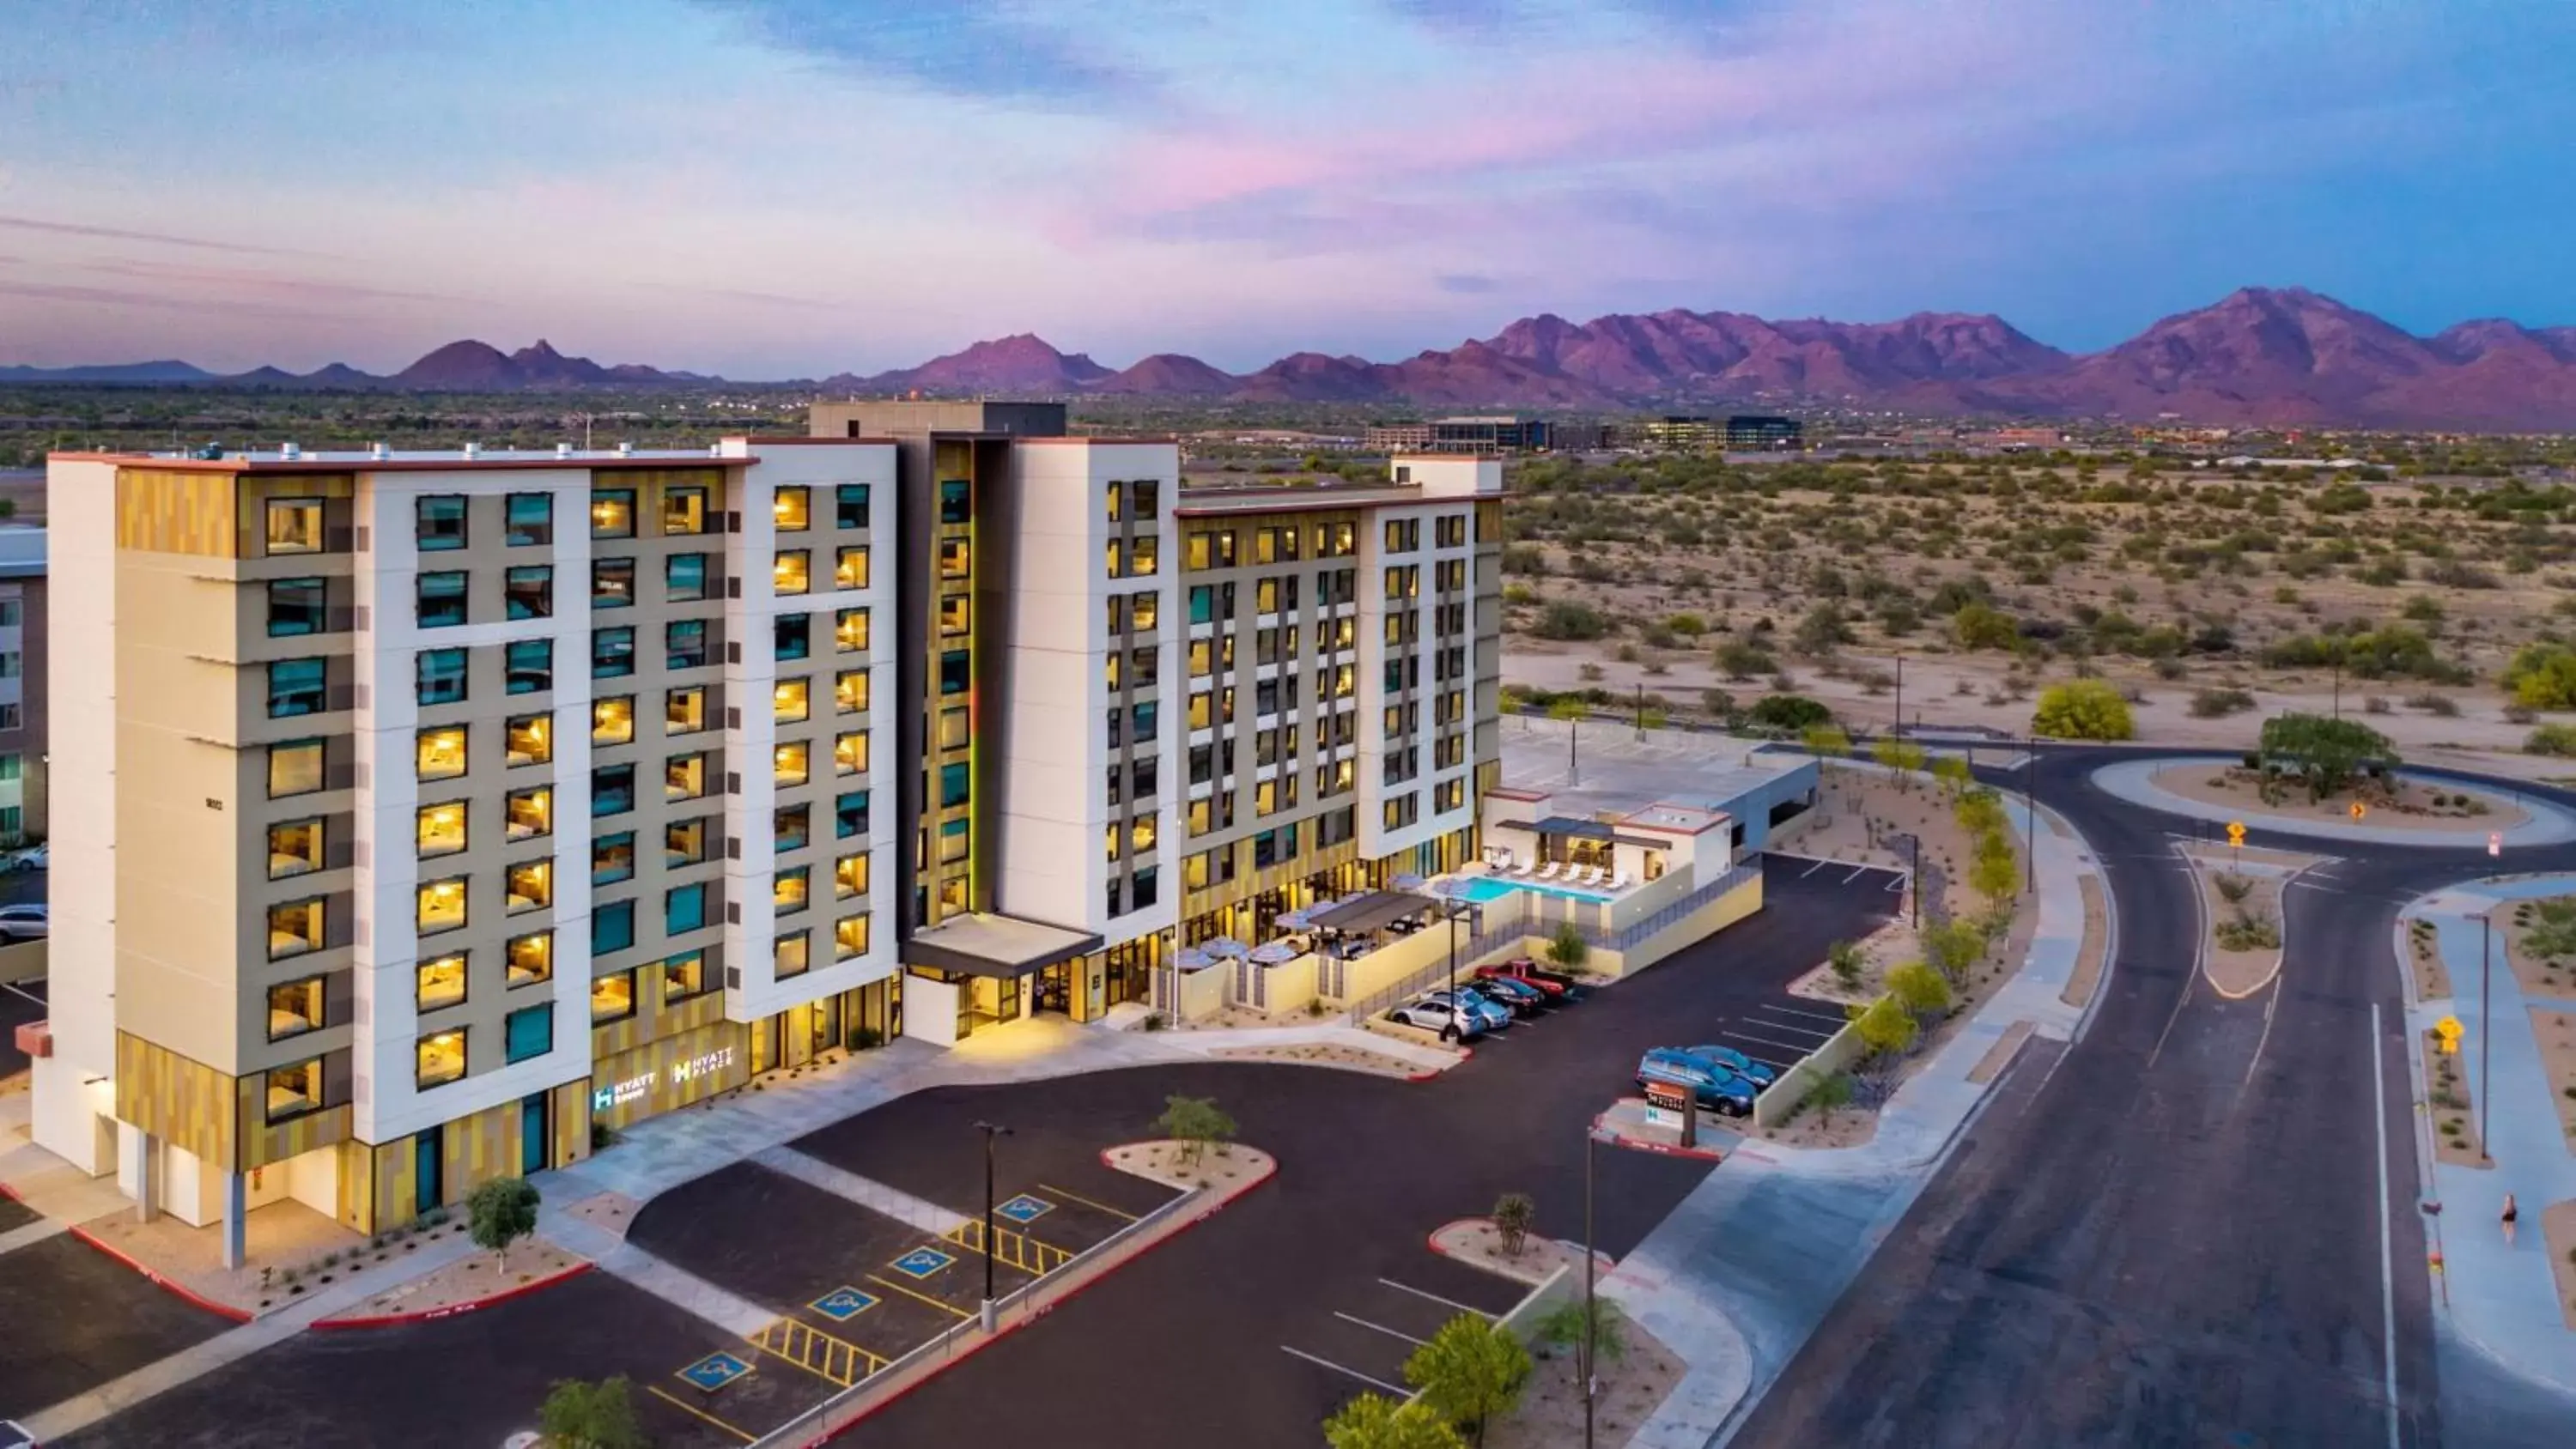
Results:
2283 356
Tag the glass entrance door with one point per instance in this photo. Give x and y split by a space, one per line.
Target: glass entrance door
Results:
428 1186
533 1136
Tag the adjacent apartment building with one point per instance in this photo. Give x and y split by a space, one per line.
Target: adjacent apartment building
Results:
427 810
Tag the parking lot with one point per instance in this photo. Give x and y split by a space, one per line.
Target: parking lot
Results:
72 1318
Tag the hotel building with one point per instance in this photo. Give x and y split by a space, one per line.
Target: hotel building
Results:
421 812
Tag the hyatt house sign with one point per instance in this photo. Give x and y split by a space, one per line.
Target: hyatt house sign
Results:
688 1069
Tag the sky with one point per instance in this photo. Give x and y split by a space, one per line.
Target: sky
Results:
777 188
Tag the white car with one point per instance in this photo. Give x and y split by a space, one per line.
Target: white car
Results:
1454 1023
24 923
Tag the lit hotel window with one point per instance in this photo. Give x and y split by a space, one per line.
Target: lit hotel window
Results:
528 814
440 753
294 1090
791 700
849 937
791 763
789 955
850 630
612 720
440 982
850 753
684 711
850 569
612 513
441 905
850 876
441 1058
789 890
850 691
684 510
294 525
294 928
792 508
792 573
294 847
612 998
529 886
441 828
530 958
530 739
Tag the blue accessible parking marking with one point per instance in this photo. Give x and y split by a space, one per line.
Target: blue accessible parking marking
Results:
715 1371
1025 1209
843 1304
922 1262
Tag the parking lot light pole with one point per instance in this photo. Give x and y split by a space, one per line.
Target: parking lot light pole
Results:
2486 1043
2030 797
1914 871
990 1130
1591 1323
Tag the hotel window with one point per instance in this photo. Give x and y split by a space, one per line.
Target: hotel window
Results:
1144 556
1403 810
439 905
684 711
294 848
684 644
791 827
850 691
1202 604
792 509
850 876
612 720
440 981
791 700
684 842
1140 835
1452 530
956 558
684 976
1143 610
850 505
1403 535
529 959
298 686
527 814
791 636
612 858
849 937
528 666
792 572
789 955
791 763
612 583
529 519
1449 794
294 1008
612 653
1203 709
612 997
850 630
1110 664
1117 495
684 777
294 525
295 606
956 614
684 510
612 513
528 592
956 785
439 829
850 814
954 729
1145 497
439 1059
954 841
850 569
612 927
789 890
1110 837
529 739
528 886
294 768
612 790
850 753
294 1089
956 671
439 676
528 1033
441 599
439 754
684 909
441 521
956 501
684 577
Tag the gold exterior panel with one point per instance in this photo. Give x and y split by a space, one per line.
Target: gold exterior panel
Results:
263 1143
184 1103
161 511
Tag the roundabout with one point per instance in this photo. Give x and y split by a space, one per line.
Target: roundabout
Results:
2512 819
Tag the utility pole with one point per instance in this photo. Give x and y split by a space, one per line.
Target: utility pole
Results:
2486 1041
2030 797
1591 1310
1914 849
991 1130
1900 694
1641 711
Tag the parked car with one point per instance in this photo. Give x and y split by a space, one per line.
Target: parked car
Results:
1495 1017
1454 1023
1716 1088
34 857
23 923
1523 998
1557 985
1759 1074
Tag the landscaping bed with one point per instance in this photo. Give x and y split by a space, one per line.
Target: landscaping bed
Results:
2401 804
470 1280
2539 939
1226 1167
1325 1054
2424 960
1550 1412
2446 1096
2558 1236
1478 1243
2241 916
2556 1033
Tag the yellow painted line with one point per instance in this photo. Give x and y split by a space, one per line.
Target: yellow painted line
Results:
688 1408
834 1360
940 1304
1016 1250
1087 1202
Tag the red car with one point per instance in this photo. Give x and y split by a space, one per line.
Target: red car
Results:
1556 984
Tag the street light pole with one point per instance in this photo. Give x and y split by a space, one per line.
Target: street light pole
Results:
1591 1311
1899 730
1914 850
2486 1042
990 1130
2030 797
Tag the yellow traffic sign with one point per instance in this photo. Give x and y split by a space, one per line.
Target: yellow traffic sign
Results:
2448 1031
2236 832
2359 810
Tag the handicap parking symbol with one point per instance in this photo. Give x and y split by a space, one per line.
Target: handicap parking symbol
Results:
922 1262
1025 1209
715 1371
843 1304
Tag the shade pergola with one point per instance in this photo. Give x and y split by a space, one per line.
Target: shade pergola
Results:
1371 912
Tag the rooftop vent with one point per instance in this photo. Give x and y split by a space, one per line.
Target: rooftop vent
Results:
626 450
380 451
563 450
473 451
289 451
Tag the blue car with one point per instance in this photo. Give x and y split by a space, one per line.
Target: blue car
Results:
1758 1073
1716 1088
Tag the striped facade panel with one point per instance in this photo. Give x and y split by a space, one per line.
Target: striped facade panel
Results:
655 1020
184 1103
478 1148
263 1143
168 511
669 1074
1245 887
571 1118
359 1182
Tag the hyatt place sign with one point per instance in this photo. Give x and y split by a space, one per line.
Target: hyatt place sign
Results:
688 1069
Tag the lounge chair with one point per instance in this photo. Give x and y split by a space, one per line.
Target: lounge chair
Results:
1548 871
1619 881
1591 876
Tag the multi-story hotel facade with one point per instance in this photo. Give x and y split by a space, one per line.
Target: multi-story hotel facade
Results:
419 813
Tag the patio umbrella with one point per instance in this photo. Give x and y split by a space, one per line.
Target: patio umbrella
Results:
1192 958
1274 953
1297 920
1408 882
1224 946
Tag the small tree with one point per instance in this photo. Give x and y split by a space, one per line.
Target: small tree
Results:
578 1415
1570 708
1196 1123
1920 989
1846 961
1903 756
1567 948
2083 709
1954 775
1979 811
1995 873
2328 752
1885 1026
1953 946
1830 1095
1513 1214
1374 1421
499 1213
1470 1372
1826 741
1561 1327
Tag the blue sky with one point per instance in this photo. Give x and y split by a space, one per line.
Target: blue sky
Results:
769 188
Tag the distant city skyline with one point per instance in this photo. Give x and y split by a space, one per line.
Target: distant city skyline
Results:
772 188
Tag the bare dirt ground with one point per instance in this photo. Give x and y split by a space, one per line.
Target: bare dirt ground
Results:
1478 1243
2558 1233
2455 1122
2095 952
2556 1031
2000 1055
2241 970
2424 958
1323 1054
1550 1413
2409 806
1228 1167
469 1280
2512 921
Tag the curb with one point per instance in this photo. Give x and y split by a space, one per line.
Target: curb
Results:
1427 1073
171 1285
388 1320
1660 1149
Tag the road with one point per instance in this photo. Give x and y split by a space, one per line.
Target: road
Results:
2172 1237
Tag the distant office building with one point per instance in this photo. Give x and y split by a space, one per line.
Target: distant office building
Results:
1480 437
1750 430
1681 433
1397 438
22 709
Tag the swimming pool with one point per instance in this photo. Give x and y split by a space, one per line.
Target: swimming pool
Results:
1484 889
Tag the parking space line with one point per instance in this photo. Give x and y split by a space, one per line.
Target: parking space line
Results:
686 1407
1800 1011
1801 1026
1811 870
941 1304
1799 1047
1857 872
1380 1327
835 1361
1032 1256
1394 1389
1071 1196
1436 1298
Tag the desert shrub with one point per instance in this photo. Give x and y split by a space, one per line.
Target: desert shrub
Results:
2441 706
2220 703
2086 709
2374 704
2232 887
2551 739
2542 675
1792 713
2248 933
1739 661
1570 619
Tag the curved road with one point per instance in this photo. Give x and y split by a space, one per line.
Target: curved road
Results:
2172 1234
